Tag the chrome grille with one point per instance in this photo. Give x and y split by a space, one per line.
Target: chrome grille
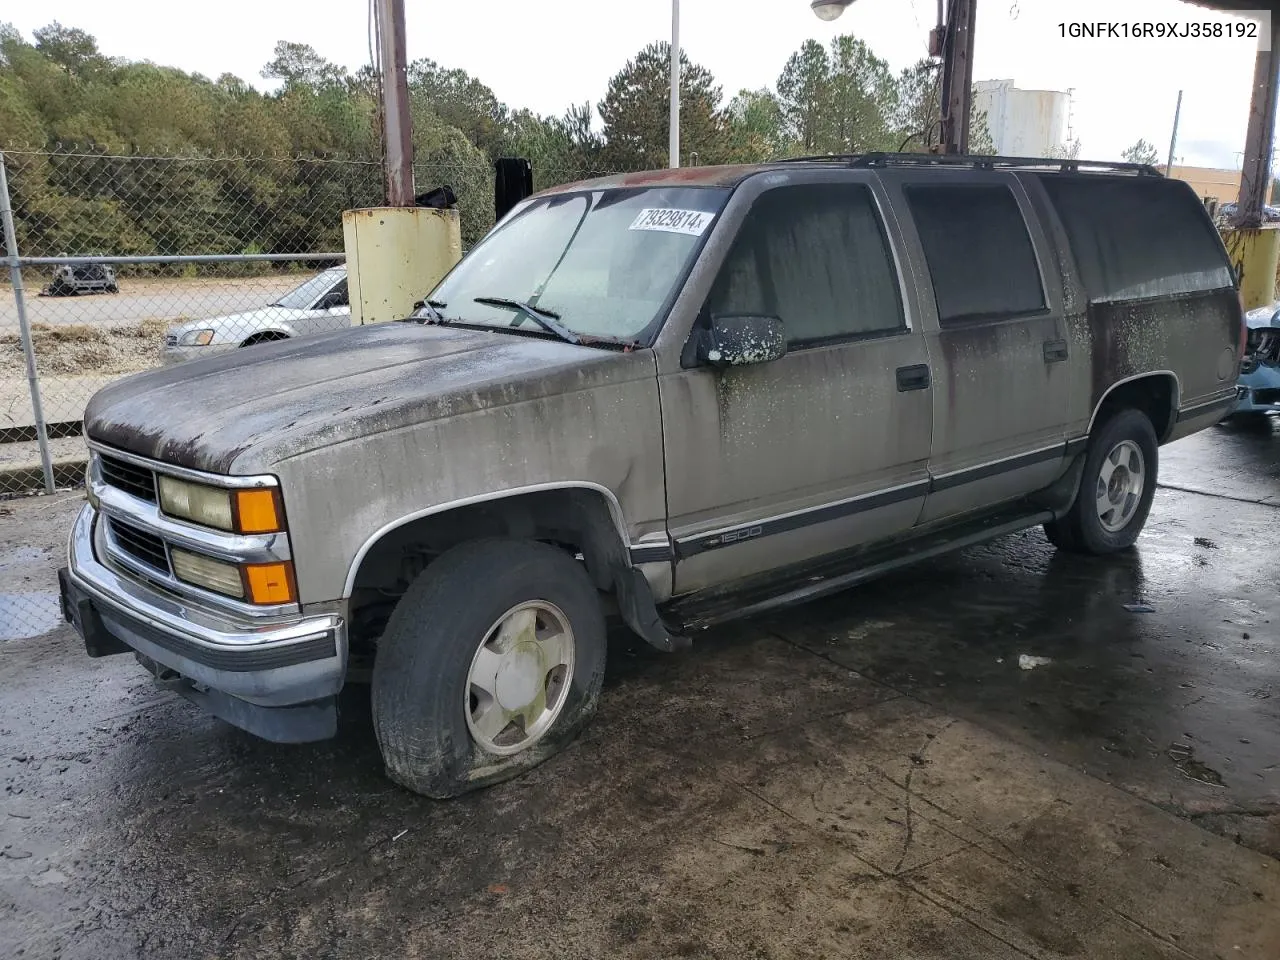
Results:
145 548
171 340
138 481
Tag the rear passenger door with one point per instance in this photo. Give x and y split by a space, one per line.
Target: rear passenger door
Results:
996 333
827 447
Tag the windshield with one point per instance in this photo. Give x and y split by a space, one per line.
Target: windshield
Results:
302 297
603 262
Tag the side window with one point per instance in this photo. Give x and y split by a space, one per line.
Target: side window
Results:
338 297
978 251
816 257
1138 237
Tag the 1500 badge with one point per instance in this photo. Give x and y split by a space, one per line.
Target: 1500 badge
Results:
734 536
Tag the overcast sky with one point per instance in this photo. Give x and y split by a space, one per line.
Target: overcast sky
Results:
547 54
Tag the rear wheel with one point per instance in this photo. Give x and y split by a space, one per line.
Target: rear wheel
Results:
1116 488
491 662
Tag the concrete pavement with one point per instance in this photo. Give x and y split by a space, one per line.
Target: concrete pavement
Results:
874 775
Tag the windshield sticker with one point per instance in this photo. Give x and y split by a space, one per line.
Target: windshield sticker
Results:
691 222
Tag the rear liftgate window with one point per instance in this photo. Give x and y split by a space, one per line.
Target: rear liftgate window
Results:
978 251
1138 237
816 257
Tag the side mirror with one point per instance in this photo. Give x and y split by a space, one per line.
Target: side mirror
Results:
738 341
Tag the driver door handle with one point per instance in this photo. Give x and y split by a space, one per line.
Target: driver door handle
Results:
914 377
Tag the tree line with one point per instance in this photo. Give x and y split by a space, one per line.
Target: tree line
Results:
272 171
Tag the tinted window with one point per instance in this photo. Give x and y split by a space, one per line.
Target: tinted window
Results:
978 251
816 257
1138 238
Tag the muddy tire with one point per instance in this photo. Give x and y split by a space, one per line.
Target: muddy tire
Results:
1116 488
491 662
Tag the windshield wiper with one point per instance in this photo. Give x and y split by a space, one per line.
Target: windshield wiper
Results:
428 311
548 320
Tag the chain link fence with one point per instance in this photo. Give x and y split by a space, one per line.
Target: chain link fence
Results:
128 262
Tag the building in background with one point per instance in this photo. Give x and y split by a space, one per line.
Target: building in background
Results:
1024 123
1210 184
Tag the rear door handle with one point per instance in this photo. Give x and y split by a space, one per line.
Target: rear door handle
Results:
1055 351
915 377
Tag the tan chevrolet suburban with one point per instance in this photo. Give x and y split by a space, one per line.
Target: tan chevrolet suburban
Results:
682 396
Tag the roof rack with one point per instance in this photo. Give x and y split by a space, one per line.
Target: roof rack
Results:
863 160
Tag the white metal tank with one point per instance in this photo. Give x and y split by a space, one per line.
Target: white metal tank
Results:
1024 123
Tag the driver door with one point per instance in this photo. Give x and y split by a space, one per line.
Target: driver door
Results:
826 448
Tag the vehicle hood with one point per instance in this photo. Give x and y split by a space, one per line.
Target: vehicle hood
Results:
261 319
243 411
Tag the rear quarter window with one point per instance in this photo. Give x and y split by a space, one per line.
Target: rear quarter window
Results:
1138 238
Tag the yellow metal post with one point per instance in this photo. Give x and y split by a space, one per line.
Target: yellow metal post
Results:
395 256
1255 255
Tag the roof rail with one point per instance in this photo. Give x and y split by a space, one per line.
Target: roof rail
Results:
862 160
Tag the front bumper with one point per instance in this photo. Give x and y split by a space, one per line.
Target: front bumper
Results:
1259 390
170 355
277 680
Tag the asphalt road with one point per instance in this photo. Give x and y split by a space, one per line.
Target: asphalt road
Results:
149 299
873 775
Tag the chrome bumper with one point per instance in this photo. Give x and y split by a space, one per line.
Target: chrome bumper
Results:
277 664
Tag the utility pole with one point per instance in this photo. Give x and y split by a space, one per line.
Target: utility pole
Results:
673 139
957 76
397 128
1173 141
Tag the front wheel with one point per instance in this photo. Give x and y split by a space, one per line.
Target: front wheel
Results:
1116 488
491 662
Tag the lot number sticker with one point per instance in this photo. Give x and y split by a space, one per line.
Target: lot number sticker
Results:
691 222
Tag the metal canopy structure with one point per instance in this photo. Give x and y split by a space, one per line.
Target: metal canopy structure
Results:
1255 179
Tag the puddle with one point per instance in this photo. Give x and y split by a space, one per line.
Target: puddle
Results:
25 615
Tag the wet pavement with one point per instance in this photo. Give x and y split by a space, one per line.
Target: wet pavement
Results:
1004 753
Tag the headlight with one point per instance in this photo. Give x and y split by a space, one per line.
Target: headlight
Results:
258 583
196 338
207 506
239 511
207 572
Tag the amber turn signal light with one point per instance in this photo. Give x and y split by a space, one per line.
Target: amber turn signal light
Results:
258 511
270 583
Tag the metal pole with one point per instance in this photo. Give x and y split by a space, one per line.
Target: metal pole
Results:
957 76
1255 178
673 144
1173 141
24 328
397 127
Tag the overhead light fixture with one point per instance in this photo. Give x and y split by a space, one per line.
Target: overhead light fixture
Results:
829 10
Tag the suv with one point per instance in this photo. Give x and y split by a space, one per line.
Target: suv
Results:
684 395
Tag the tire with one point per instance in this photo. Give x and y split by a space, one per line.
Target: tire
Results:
1122 444
428 710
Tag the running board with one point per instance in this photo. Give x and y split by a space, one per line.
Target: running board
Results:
823 577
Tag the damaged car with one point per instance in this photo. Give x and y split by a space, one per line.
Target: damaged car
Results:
1259 384
674 397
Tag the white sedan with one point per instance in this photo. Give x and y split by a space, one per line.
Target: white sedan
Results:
316 306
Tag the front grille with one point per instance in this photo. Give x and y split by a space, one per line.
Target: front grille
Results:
144 547
138 481
1269 395
171 340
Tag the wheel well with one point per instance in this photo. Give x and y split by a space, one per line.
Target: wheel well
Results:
267 336
1155 395
576 520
